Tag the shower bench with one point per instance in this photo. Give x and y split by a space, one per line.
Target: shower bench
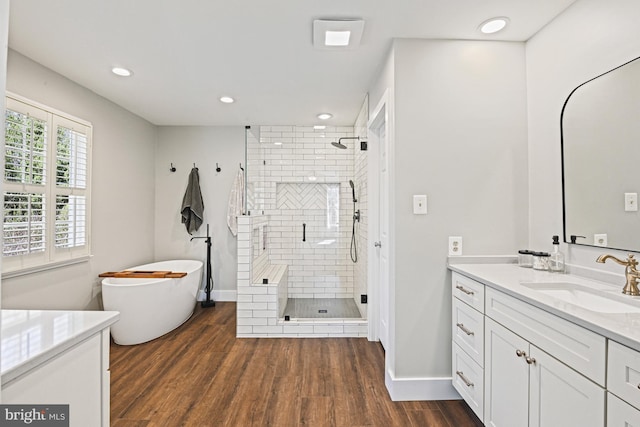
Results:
274 275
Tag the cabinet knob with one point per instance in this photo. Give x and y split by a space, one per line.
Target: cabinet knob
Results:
520 353
377 244
530 360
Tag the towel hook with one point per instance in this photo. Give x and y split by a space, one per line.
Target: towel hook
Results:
218 168
172 168
195 167
241 168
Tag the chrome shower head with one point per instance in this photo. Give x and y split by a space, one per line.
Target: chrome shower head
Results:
339 145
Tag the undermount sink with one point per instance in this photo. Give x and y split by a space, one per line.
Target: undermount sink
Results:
587 298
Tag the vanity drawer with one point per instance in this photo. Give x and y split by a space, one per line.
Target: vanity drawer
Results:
468 290
577 347
468 330
623 373
621 414
468 380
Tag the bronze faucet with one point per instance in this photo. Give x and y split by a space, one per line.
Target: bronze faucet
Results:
630 273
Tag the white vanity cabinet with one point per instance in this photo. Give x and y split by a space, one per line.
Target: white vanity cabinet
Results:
536 369
525 386
468 341
58 357
623 386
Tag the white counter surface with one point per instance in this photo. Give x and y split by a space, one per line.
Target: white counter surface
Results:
32 337
509 278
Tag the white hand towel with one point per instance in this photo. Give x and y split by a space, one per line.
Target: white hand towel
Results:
236 202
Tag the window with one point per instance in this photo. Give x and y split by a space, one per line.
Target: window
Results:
46 187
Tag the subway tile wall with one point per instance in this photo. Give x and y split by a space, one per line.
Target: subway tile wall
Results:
259 306
297 177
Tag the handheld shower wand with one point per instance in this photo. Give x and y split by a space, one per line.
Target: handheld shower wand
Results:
353 191
356 217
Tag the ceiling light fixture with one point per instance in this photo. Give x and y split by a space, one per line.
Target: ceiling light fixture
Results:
319 127
493 25
227 99
122 72
337 38
337 33
324 116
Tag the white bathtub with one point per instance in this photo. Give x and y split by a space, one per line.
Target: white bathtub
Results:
149 308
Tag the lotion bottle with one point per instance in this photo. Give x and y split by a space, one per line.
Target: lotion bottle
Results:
556 260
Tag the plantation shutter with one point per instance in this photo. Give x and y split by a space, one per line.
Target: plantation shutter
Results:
46 187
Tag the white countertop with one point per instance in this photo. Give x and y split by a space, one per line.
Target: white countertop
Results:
31 337
509 278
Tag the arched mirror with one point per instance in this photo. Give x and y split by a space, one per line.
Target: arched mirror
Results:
600 125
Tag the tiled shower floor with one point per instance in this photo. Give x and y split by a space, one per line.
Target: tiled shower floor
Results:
321 308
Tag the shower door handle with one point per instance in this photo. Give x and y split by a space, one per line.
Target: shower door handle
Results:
304 232
377 244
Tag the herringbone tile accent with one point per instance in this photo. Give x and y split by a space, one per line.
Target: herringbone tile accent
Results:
305 196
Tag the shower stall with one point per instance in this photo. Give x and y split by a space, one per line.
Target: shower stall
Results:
306 214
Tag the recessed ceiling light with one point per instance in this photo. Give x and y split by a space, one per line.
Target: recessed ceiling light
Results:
122 72
324 116
319 127
227 99
494 25
337 33
277 143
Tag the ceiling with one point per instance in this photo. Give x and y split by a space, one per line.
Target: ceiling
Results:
185 54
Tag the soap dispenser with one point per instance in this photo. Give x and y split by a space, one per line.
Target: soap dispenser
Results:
556 260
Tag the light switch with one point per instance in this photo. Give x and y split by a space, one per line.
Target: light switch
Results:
420 204
630 202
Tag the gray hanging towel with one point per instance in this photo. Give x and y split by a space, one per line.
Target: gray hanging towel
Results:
192 204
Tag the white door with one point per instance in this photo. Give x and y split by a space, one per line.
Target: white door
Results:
383 208
562 397
379 196
506 382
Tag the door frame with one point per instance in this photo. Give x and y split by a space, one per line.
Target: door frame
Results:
380 116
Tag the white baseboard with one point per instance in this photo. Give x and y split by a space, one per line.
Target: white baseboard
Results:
219 295
406 389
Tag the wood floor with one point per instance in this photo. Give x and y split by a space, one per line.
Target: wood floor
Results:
201 375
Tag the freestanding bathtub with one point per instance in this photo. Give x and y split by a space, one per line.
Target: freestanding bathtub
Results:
149 308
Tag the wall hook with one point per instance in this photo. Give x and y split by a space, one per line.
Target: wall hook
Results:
218 168
172 168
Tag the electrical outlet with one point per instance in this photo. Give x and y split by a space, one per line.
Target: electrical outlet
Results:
600 240
455 245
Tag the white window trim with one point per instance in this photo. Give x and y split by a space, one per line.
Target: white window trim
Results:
54 257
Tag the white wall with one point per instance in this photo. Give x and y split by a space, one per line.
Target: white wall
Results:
460 138
122 191
204 146
589 38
